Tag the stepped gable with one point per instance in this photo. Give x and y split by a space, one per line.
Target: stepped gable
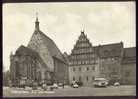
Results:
25 51
129 55
44 46
83 52
82 45
110 50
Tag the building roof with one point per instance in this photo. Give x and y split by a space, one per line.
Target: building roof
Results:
129 55
45 47
53 49
22 50
25 51
110 50
130 52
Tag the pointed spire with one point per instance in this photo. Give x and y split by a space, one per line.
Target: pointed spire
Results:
82 31
36 22
36 16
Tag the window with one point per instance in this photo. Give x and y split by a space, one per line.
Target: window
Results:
73 68
127 73
93 68
93 78
73 78
87 68
87 78
79 68
106 53
79 78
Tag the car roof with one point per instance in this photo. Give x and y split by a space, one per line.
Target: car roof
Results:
99 79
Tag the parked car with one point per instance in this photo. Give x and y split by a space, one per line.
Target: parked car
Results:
79 83
75 86
55 86
100 82
60 84
35 85
116 84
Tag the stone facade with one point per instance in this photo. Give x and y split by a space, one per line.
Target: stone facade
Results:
41 60
60 71
128 69
83 62
26 63
106 59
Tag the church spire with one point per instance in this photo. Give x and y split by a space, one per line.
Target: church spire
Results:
36 22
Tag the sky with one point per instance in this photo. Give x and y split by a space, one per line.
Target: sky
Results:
103 23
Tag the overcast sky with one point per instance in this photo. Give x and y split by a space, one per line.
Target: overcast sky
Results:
104 23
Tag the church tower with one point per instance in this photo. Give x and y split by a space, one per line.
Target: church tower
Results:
45 46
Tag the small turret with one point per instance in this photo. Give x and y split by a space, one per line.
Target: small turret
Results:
36 23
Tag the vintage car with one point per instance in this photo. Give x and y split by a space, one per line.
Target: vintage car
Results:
55 86
75 86
116 84
100 82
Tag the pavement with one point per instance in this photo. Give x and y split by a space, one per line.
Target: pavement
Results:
69 91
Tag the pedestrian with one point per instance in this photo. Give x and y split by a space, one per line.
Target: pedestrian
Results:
63 85
44 86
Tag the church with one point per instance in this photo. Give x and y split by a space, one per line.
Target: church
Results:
40 61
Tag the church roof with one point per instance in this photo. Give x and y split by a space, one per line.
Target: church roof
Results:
22 50
45 47
53 49
25 51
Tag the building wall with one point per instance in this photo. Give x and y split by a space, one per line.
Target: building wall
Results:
28 67
84 73
110 69
36 43
60 71
128 74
